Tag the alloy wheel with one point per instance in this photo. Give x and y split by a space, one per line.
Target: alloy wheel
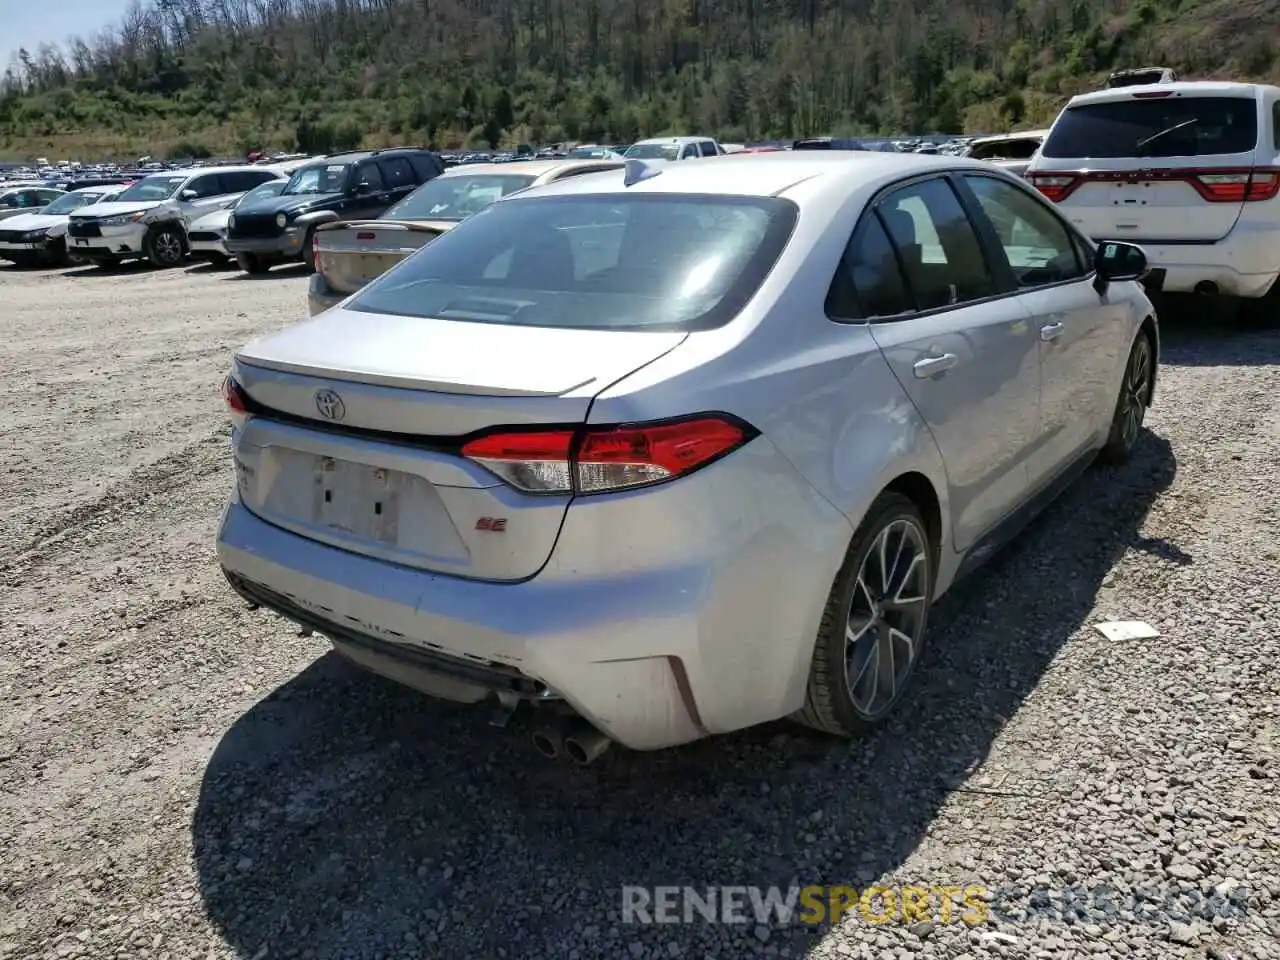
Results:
1134 393
168 248
886 617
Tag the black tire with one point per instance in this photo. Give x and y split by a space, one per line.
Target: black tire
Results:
252 263
1263 311
830 700
308 254
1132 402
166 246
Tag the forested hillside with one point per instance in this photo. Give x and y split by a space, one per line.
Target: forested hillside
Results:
177 76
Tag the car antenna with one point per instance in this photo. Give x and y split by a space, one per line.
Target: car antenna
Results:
636 170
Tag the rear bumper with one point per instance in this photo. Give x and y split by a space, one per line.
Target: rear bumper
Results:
320 297
285 246
206 248
1243 264
658 644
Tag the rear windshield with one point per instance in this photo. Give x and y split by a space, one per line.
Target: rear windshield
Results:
1162 127
1019 149
456 197
653 151
265 191
651 262
73 201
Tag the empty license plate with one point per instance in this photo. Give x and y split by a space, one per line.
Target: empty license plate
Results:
357 499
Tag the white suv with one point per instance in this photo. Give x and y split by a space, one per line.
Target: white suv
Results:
149 220
1189 170
674 148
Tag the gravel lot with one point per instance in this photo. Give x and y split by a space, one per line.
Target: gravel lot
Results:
183 778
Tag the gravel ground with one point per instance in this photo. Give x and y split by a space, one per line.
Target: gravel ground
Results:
183 778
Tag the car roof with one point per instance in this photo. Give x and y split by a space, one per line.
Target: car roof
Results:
1194 88
766 174
194 171
671 140
1020 135
528 168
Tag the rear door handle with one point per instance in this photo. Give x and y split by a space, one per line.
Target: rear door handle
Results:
1050 331
932 366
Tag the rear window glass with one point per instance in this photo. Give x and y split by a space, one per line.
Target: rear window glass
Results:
1022 149
1163 127
599 262
456 197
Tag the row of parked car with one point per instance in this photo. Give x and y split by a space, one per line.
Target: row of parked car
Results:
1188 169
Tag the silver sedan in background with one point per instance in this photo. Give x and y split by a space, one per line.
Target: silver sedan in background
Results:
673 450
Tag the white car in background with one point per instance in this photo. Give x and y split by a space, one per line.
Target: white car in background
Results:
149 220
1189 170
674 148
40 237
17 200
1010 151
207 237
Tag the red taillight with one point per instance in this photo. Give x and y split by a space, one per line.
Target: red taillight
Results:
234 395
601 459
1055 187
365 235
1152 94
1237 186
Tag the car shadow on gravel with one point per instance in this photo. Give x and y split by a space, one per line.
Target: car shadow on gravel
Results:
1198 332
89 271
283 272
342 816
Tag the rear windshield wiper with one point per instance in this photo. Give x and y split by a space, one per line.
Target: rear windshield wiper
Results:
1146 141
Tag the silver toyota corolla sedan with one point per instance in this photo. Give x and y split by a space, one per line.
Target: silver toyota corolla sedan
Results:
673 450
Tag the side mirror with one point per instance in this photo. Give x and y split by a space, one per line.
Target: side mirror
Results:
1115 261
188 195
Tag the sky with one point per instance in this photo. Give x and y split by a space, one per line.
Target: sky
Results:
29 23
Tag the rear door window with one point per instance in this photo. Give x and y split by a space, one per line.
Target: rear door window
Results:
370 174
397 172
937 245
1156 127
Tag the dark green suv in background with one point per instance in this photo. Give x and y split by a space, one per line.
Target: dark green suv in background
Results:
344 186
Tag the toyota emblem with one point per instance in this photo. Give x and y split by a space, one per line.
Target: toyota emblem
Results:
330 405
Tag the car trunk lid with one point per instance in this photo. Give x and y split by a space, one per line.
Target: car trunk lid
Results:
356 441
351 254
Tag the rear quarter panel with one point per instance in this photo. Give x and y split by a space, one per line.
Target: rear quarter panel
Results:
837 429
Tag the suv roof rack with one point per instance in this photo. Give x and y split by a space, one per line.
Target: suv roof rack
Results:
1140 76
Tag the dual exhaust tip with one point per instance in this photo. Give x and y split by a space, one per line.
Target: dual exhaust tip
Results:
580 742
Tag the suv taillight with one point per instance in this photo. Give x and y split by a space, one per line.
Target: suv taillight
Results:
1238 186
1055 187
604 459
